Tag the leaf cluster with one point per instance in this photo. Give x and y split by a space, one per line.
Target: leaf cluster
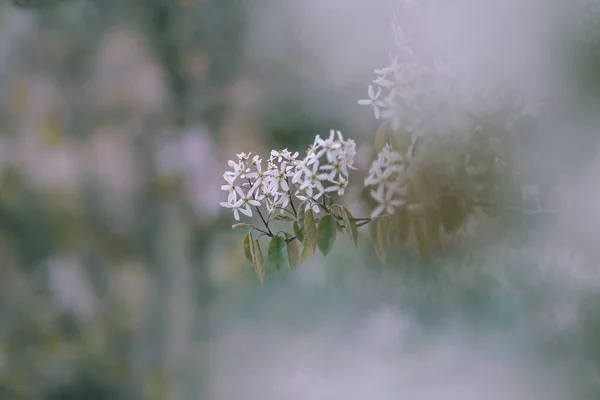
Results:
447 179
308 233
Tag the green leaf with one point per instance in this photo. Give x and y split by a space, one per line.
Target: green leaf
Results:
310 234
380 137
379 239
283 218
239 226
299 232
275 252
425 234
401 225
451 213
307 251
259 266
326 233
248 247
350 225
293 251
301 214
400 141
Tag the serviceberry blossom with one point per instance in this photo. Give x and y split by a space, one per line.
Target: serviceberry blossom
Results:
373 99
387 176
419 91
325 169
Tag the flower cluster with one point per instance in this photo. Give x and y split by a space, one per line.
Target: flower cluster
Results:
397 92
324 169
387 176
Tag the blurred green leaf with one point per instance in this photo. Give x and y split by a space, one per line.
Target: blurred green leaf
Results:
259 266
400 225
379 239
299 232
293 250
310 234
275 252
452 214
380 137
248 247
350 225
301 214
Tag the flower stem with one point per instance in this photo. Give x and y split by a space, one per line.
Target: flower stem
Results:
264 221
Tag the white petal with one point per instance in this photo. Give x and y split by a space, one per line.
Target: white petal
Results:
246 211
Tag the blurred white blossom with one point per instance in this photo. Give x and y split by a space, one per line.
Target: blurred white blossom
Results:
387 176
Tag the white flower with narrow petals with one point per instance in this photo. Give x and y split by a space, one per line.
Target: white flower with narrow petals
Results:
338 186
386 201
313 179
307 196
234 208
246 200
373 100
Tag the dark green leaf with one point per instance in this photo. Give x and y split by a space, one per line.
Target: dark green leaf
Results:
259 266
326 233
299 232
275 252
451 213
293 250
350 225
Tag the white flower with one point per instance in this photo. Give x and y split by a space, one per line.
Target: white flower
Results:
384 167
373 100
338 186
238 169
243 204
328 148
280 178
386 201
309 199
390 68
313 178
234 207
383 82
231 196
279 155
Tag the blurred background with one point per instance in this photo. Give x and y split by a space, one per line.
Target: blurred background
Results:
121 277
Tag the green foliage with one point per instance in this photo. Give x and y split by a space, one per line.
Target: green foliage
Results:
451 213
380 137
248 244
298 231
310 234
326 233
275 252
257 261
293 251
380 239
350 225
